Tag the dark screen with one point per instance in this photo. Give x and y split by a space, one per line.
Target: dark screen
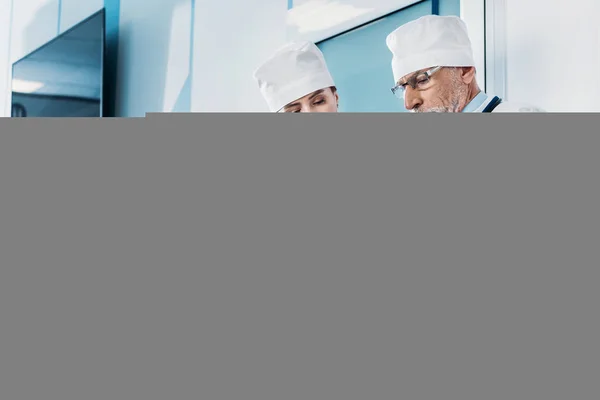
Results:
64 77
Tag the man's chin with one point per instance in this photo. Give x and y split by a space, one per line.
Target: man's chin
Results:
432 110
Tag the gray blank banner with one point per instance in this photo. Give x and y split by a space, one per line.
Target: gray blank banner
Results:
309 257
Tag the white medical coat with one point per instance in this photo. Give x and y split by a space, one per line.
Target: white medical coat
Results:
508 107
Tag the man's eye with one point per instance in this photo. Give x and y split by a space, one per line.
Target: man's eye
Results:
319 102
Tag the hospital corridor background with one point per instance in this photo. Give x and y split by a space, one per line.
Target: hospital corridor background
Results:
198 56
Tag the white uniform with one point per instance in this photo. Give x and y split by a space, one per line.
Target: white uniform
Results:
508 107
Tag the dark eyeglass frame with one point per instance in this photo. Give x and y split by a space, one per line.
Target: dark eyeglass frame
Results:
399 90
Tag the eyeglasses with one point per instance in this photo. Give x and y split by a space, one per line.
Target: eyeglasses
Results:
420 81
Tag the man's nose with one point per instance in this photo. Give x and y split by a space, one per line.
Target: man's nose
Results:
411 98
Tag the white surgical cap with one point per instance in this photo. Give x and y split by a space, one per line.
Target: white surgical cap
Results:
430 41
295 70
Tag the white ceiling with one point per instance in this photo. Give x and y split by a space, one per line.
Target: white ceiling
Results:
70 65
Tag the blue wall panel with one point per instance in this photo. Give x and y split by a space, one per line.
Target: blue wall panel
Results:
360 61
450 7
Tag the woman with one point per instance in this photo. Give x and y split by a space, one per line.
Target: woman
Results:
296 79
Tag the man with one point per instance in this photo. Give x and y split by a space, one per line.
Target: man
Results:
296 79
434 69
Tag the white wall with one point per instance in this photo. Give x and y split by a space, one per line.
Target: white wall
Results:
552 53
247 31
154 56
73 11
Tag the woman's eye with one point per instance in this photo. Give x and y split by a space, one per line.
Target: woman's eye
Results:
319 102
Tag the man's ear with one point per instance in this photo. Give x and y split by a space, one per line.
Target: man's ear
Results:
337 98
468 74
